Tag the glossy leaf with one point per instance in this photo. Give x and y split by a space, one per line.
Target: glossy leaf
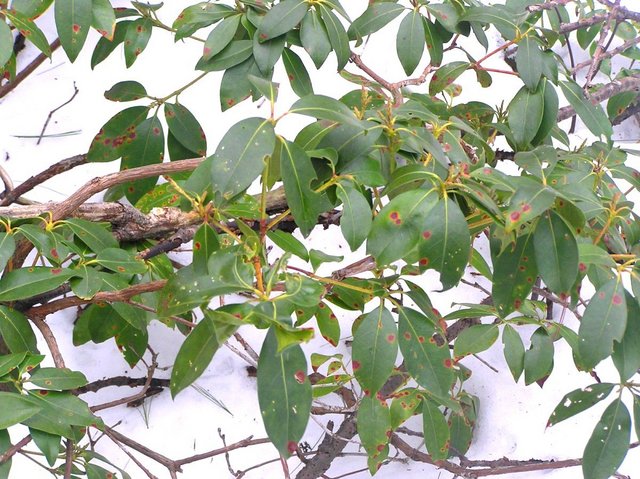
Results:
49 444
126 91
626 353
184 126
375 17
26 282
297 174
200 15
29 29
121 261
58 378
103 18
325 108
31 8
59 411
538 359
603 322
374 428
16 331
556 252
397 228
266 54
106 46
328 324
282 18
497 15
73 20
337 36
5 444
355 222
220 36
314 38
7 248
284 393
94 235
593 116
475 339
86 283
513 351
6 43
529 201
433 42
297 73
289 243
515 272
609 442
525 115
15 409
136 39
445 242
198 349
549 113
239 158
235 85
529 62
375 347
445 76
436 431
205 242
233 54
579 400
428 362
116 133
405 404
9 362
410 41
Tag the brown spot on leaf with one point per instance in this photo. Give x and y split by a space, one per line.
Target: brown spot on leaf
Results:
300 376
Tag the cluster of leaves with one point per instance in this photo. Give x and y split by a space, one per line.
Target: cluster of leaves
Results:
415 181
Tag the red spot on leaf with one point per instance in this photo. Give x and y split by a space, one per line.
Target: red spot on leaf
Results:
300 376
43 393
56 271
617 299
197 245
521 268
426 234
582 267
526 207
407 335
421 339
424 261
448 363
517 303
515 216
76 28
380 447
356 365
54 252
292 447
391 338
156 131
121 269
601 295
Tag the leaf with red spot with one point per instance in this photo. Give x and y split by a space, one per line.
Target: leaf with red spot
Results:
374 428
29 30
284 393
198 349
116 133
404 405
445 242
103 18
126 91
375 347
106 46
205 242
282 18
428 363
6 43
328 324
297 73
87 283
446 75
529 201
59 411
397 227
136 39
220 36
73 19
121 261
58 379
603 322
515 272
26 282
556 251
198 16
436 431
31 8
146 148
184 126
626 353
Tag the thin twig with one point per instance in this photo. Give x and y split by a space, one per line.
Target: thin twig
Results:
46 123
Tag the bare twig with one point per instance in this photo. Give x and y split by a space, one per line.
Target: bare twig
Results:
9 453
46 123
596 59
550 5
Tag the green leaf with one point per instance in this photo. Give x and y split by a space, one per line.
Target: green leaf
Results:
626 353
513 351
73 19
94 235
529 62
376 16
239 158
110 141
235 85
121 261
579 400
529 201
58 378
31 8
593 116
355 222
337 36
6 43
233 54
325 108
267 54
136 39
297 174
284 393
396 229
27 282
556 252
7 248
433 42
374 428
87 282
297 73
289 243
496 15
404 405
282 18
185 128
314 38
29 29
328 324
617 104
103 18
538 359
5 444
445 76
410 41
8 362
317 257
16 331
428 363
609 442
603 322
198 349
515 272
445 242
198 16
205 242
15 409
106 46
436 431
220 36
475 339
58 412
49 444
525 115
126 91
375 347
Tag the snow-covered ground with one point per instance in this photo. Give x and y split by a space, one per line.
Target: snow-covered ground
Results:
512 417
